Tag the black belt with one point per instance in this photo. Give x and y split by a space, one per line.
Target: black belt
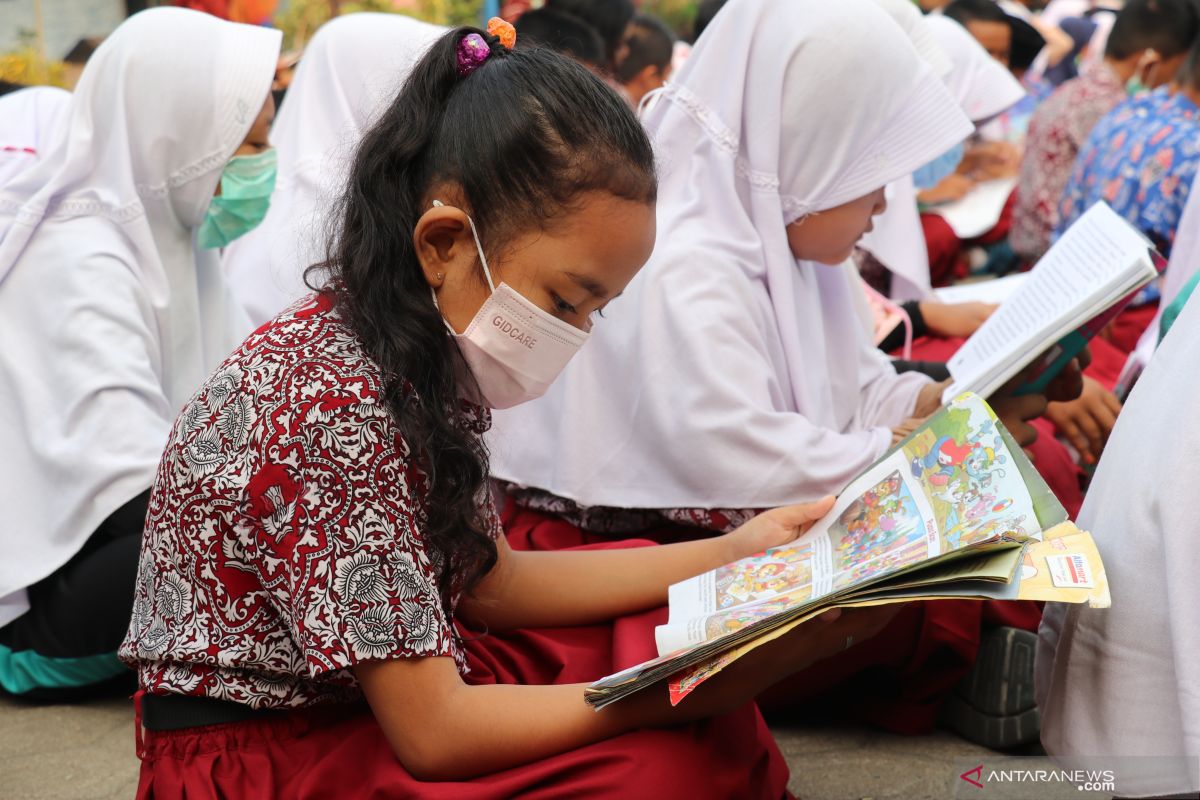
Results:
170 712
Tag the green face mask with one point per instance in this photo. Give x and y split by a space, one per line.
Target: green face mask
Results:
246 186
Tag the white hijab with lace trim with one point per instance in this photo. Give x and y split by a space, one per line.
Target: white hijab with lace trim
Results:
354 66
729 375
110 316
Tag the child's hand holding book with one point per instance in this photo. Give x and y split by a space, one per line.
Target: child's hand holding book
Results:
774 528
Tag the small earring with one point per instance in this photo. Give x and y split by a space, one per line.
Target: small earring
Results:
439 276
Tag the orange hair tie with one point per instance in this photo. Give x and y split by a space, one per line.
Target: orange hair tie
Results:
502 30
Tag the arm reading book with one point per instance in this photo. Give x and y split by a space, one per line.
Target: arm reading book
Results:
528 589
442 728
1088 274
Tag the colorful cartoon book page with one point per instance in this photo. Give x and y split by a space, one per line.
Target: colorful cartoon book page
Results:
1100 261
952 485
1064 568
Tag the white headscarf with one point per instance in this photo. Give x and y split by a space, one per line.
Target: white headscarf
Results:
910 19
29 119
109 315
729 374
351 69
1125 681
984 89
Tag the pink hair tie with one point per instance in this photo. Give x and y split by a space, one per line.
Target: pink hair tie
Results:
472 51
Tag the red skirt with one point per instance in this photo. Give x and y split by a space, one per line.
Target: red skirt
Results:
896 680
341 752
946 251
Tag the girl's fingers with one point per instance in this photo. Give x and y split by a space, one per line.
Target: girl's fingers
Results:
1087 423
1113 404
1077 439
802 513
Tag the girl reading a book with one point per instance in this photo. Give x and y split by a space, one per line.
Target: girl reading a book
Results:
112 311
321 528
739 377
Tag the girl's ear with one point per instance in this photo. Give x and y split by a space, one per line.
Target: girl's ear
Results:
443 243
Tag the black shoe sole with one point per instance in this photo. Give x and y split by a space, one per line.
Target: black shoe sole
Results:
994 704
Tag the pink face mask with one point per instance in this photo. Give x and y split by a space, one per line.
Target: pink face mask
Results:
515 350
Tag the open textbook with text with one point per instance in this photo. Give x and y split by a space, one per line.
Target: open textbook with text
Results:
954 511
1088 276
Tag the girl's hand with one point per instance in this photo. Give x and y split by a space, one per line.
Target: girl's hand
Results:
1087 421
773 528
954 187
989 160
1015 411
955 320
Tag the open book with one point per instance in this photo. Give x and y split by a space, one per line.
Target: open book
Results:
954 511
979 211
992 290
1086 279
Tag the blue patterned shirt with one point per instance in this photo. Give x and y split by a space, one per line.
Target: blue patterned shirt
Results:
1140 159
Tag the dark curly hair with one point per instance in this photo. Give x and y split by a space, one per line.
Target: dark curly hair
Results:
523 136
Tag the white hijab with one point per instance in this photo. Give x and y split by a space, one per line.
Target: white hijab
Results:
729 374
906 14
351 69
984 88
1125 681
109 315
1183 264
981 84
29 119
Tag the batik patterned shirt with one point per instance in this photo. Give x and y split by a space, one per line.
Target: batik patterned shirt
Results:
1140 159
1057 132
283 543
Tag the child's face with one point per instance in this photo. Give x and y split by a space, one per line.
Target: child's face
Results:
829 236
256 139
571 270
996 38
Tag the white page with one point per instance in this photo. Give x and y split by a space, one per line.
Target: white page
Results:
989 291
979 210
1098 255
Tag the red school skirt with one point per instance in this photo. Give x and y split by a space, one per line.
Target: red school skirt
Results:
341 752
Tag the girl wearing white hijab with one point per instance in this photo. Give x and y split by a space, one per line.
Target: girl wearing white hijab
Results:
29 119
752 172
111 316
1120 688
734 373
352 67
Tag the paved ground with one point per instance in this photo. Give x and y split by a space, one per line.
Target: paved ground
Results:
85 752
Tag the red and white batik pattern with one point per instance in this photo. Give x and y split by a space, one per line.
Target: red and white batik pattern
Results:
283 543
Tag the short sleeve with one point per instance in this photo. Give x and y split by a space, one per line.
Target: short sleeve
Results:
334 504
